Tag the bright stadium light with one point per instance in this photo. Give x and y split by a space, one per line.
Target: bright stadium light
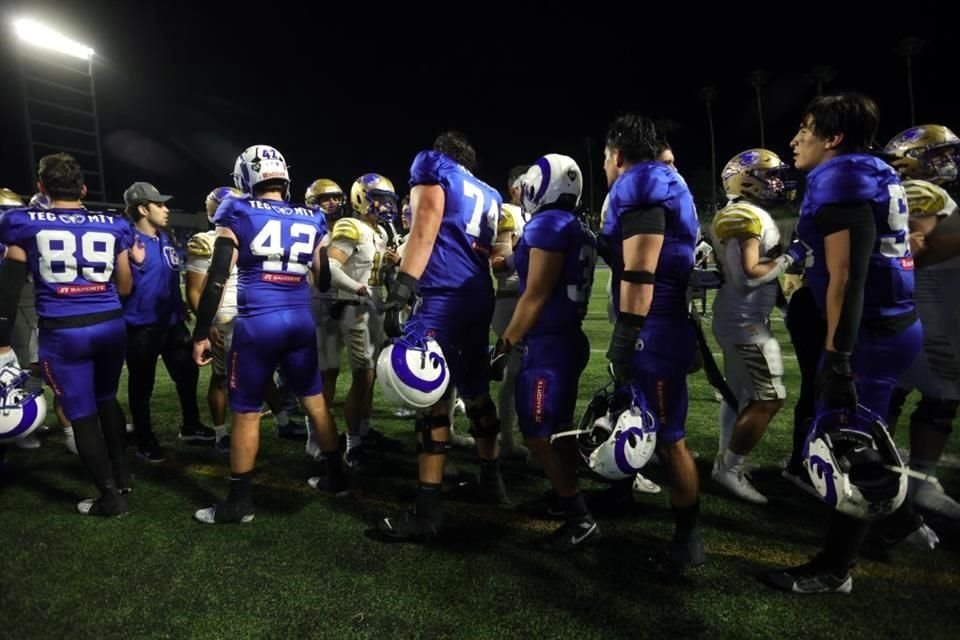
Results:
40 35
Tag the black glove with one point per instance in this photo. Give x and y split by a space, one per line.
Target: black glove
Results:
835 381
400 295
624 344
499 355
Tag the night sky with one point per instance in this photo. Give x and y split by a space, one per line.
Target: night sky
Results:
183 87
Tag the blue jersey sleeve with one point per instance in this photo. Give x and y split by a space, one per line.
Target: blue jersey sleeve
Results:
645 186
226 214
547 231
427 168
848 182
125 236
12 227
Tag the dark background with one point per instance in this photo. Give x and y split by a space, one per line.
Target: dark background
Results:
183 87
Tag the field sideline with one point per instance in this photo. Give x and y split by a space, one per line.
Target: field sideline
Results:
307 568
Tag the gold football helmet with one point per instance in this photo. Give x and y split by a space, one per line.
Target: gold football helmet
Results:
759 175
9 199
325 194
374 194
926 152
218 195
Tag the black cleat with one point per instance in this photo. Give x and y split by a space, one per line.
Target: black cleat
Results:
572 535
379 440
408 527
197 434
226 513
807 578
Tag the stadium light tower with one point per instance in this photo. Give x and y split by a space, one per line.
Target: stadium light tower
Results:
40 35
59 101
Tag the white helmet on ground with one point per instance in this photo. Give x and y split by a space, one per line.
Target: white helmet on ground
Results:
21 412
553 180
412 371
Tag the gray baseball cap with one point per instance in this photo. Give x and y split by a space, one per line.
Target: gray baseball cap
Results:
140 192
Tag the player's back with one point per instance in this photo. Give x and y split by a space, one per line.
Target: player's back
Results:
863 179
558 231
645 186
461 254
275 243
71 254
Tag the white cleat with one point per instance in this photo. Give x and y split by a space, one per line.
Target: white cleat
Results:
735 480
28 442
459 408
930 496
642 484
460 440
923 536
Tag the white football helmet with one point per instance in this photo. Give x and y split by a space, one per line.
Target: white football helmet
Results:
21 412
618 449
854 465
41 201
257 164
412 371
553 180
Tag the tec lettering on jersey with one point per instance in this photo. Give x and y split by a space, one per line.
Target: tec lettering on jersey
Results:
80 289
281 278
539 400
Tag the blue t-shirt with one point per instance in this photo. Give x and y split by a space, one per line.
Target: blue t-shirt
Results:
71 254
156 298
471 212
559 231
644 186
276 241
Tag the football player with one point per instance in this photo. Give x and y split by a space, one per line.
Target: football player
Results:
447 261
555 262
358 246
651 231
511 226
80 266
926 158
274 246
326 196
750 258
854 220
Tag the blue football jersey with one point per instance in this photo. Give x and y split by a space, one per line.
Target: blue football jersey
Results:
276 241
858 179
471 211
560 232
643 186
71 254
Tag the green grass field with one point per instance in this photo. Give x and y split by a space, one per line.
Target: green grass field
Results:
307 568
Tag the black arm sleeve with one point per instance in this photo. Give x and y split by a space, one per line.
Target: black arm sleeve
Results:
322 276
858 220
217 276
13 275
643 221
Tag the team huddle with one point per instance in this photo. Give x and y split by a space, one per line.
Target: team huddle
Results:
280 290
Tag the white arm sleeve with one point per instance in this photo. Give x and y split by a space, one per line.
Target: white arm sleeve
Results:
341 280
734 261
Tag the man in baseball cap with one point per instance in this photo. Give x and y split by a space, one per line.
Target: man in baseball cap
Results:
143 192
155 325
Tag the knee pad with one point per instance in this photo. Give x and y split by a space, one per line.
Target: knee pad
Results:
483 420
897 400
425 426
935 414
